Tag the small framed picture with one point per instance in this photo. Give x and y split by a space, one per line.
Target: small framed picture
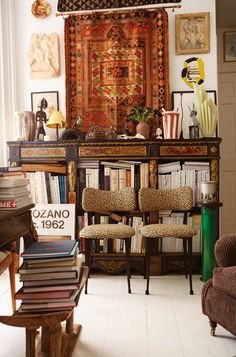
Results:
184 102
192 33
230 46
46 101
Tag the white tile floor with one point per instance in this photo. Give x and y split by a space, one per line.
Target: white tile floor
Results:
166 323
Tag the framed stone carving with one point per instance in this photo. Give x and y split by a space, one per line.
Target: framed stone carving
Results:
43 56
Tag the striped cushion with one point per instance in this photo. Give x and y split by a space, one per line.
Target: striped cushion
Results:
168 230
113 231
224 279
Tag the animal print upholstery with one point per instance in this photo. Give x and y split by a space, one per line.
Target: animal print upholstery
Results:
168 230
151 199
113 231
94 200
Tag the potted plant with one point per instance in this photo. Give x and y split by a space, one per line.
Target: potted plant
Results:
142 116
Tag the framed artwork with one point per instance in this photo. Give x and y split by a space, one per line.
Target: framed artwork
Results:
184 101
48 101
192 33
230 46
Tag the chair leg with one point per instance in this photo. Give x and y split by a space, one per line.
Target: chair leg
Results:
88 248
30 342
213 326
147 247
185 258
190 264
127 253
13 282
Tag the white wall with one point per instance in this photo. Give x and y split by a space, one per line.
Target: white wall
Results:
26 23
210 59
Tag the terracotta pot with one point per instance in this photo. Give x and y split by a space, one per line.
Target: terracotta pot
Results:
143 129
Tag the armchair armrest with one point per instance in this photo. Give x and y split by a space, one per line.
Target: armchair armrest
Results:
225 250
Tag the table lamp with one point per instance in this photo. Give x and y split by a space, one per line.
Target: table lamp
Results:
56 120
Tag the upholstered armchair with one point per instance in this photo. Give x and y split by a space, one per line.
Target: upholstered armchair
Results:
219 293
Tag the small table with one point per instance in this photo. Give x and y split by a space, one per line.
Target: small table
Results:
15 224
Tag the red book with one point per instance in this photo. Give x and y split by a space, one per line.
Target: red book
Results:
61 294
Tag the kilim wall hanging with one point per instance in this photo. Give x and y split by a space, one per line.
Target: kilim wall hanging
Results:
113 62
81 5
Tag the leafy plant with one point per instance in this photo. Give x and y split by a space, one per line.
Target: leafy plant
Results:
142 114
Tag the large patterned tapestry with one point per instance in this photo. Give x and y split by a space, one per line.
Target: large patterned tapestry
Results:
113 62
80 5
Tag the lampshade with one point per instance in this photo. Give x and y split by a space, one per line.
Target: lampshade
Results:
56 120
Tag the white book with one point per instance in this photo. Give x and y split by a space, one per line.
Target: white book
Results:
32 185
39 191
116 164
89 178
54 187
122 178
95 180
169 167
114 180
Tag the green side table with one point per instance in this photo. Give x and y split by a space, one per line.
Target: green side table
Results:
210 232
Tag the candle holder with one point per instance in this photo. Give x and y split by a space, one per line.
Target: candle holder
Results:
193 131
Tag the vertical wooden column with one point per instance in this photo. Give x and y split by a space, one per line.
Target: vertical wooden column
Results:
72 172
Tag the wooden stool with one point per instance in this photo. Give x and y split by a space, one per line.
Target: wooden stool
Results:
54 341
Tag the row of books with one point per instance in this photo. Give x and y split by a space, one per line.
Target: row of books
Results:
114 176
14 191
47 188
118 174
182 178
172 245
50 275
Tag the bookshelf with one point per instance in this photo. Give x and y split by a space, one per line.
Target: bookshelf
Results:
72 158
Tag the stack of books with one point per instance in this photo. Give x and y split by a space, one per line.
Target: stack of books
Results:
50 276
14 192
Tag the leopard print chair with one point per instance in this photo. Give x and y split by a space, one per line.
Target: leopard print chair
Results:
101 202
180 199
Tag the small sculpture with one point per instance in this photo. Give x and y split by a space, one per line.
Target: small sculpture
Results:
41 118
111 133
26 126
193 128
158 133
193 115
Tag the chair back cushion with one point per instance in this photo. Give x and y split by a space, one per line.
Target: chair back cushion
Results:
225 250
94 200
180 199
